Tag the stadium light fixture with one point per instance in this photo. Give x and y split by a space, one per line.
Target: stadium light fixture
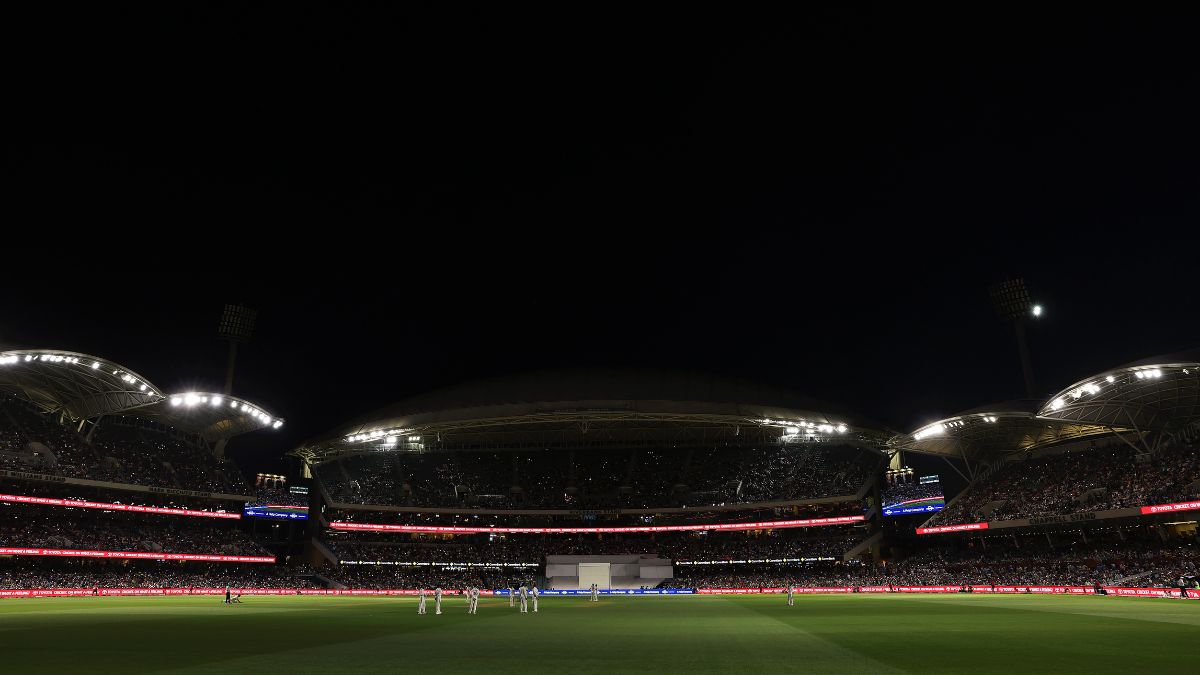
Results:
1110 379
931 430
1037 310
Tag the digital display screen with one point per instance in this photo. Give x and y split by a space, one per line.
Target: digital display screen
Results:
905 494
276 511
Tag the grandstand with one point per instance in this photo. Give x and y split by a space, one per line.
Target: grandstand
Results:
642 483
108 482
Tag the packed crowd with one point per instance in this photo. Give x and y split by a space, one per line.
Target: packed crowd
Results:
71 492
1097 479
1145 561
51 527
640 478
30 441
366 546
85 574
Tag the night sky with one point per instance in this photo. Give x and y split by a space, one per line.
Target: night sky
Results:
414 198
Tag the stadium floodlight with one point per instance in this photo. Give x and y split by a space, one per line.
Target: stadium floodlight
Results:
1010 299
931 430
175 401
791 431
216 401
278 423
1111 379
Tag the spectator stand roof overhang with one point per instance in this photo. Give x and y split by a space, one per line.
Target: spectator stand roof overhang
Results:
988 433
84 387
1152 397
212 417
598 410
76 385
1136 403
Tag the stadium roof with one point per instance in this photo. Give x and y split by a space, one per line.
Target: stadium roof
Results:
1151 395
211 416
78 385
1155 394
81 386
592 409
984 433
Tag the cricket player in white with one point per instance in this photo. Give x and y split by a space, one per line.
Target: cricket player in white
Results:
474 607
791 591
512 597
534 594
421 602
595 592
524 599
437 600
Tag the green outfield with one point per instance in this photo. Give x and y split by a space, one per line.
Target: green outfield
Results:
651 635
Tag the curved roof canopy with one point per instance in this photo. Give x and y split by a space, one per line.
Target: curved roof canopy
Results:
991 431
1156 394
592 409
78 385
86 387
211 416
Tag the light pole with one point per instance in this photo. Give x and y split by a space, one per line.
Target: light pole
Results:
237 325
1010 298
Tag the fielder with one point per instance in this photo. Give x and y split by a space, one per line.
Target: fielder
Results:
437 600
595 593
534 593
512 597
791 591
421 602
474 606
524 599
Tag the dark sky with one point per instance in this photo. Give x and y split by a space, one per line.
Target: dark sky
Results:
413 197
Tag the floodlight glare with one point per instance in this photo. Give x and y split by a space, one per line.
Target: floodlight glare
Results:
1037 310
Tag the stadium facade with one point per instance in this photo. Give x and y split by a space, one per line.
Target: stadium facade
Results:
667 481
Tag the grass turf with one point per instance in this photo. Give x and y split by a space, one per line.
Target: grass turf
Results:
656 635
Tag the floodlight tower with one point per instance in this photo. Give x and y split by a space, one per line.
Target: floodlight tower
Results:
1010 298
237 325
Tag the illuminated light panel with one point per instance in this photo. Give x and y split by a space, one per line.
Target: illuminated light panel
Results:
454 529
136 555
107 506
